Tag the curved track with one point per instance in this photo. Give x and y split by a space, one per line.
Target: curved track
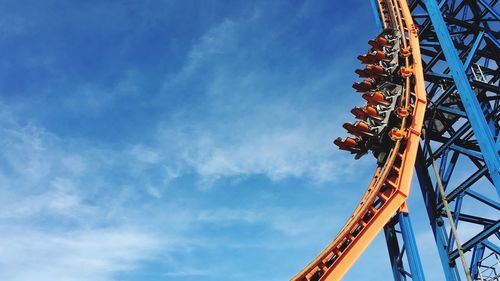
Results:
390 186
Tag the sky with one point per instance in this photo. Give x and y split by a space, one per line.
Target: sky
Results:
181 140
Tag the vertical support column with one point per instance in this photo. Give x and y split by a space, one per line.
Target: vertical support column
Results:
398 250
417 272
391 239
477 255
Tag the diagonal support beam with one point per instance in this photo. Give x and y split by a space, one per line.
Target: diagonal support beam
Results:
476 239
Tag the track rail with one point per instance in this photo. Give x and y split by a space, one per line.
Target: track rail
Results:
390 186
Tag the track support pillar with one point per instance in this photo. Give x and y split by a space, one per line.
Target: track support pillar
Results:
398 250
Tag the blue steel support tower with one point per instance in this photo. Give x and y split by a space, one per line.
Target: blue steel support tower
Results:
458 163
459 42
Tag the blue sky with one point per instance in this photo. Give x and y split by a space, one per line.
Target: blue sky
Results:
180 140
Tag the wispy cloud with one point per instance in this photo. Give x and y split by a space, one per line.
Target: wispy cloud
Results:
276 153
72 219
249 118
48 227
94 254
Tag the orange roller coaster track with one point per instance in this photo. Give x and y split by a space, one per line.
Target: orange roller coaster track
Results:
390 186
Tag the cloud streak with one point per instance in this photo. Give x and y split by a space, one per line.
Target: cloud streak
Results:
49 228
249 118
96 254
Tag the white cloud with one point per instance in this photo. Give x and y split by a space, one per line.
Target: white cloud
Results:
229 216
144 154
52 225
290 222
96 254
190 272
74 164
171 174
254 120
153 191
254 145
90 99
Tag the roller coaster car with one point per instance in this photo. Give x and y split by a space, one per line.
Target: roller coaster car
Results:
367 111
375 70
359 113
364 86
374 56
372 112
381 42
384 47
375 45
388 37
377 55
349 144
376 98
362 73
365 59
385 94
381 115
359 129
353 145
382 91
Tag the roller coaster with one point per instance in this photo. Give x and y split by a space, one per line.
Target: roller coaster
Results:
431 87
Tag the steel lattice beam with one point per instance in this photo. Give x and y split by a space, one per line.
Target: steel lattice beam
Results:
461 55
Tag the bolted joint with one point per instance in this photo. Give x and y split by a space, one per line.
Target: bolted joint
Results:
405 52
439 222
402 112
396 134
406 71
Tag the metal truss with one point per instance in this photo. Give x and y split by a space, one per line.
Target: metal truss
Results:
458 163
400 243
